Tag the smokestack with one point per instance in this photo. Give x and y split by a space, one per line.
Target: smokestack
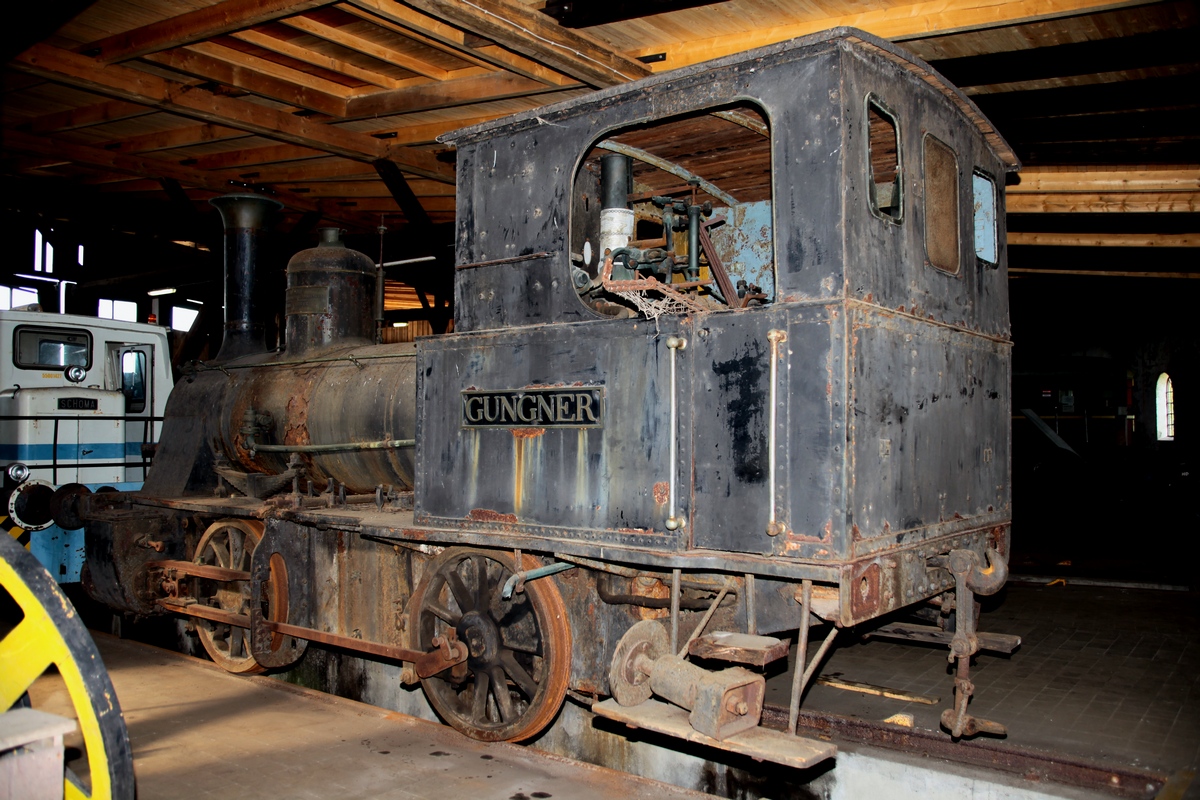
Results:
245 326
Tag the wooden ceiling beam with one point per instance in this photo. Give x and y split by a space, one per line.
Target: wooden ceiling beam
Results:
171 139
304 172
194 26
285 48
1112 55
427 133
86 116
136 86
1095 180
1157 240
366 47
1114 203
201 65
525 31
269 154
897 23
448 39
444 94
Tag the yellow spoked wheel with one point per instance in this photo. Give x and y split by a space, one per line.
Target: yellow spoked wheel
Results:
50 634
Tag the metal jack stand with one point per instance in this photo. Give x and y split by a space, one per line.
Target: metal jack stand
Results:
969 578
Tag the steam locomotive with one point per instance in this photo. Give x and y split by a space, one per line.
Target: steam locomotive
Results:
730 363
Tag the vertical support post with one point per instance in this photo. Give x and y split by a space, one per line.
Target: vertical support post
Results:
801 656
774 336
674 523
751 608
675 577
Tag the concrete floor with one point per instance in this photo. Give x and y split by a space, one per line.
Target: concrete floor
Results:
198 732
1106 674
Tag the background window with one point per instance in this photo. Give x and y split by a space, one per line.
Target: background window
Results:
941 205
983 192
1164 395
117 309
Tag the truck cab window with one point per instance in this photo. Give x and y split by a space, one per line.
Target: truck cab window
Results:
52 348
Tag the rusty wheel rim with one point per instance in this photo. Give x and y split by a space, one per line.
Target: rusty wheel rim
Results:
229 544
515 677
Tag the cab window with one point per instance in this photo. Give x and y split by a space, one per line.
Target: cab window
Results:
883 161
133 380
51 348
941 206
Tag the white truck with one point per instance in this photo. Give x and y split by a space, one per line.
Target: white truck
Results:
81 408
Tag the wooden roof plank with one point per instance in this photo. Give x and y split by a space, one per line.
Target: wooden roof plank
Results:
299 53
919 20
1104 239
171 139
1089 180
523 30
368 48
194 26
136 86
1103 203
444 94
75 118
201 65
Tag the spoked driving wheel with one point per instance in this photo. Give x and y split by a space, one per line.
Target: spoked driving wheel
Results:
229 544
519 650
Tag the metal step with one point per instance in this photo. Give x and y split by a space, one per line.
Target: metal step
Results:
759 743
740 648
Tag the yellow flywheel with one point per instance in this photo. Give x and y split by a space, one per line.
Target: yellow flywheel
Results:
50 634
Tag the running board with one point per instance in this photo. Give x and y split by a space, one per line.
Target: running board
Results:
758 743
928 634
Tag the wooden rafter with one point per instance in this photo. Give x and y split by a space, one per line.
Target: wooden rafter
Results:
1091 180
444 94
436 34
529 32
1104 239
1113 203
170 139
368 48
86 116
142 166
199 65
140 87
203 23
286 48
897 23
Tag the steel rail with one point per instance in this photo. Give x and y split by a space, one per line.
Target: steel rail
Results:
1034 765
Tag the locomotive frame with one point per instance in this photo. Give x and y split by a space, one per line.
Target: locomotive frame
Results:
624 466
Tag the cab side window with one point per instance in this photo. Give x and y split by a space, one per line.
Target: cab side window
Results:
883 161
941 206
984 204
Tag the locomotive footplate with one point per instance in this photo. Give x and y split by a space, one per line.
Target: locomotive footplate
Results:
759 743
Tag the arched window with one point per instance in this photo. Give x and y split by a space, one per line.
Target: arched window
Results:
1164 404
